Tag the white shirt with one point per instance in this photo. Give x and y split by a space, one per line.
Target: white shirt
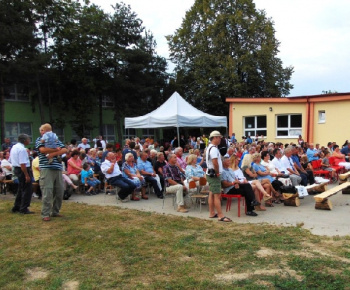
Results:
84 146
19 155
279 164
214 154
287 163
270 166
4 163
106 165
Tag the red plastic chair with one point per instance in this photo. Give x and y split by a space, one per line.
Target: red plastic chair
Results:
334 164
229 201
316 165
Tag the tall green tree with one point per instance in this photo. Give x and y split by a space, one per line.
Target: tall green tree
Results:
18 43
227 48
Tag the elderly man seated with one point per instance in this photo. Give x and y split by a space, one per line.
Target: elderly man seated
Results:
286 166
312 153
146 169
84 144
179 161
175 182
114 176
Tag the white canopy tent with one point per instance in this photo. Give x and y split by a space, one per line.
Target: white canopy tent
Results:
176 112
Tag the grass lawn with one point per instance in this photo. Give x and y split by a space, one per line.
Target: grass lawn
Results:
96 247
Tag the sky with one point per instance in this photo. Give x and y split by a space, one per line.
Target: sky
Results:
314 36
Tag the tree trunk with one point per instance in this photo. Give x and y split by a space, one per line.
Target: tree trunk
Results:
40 100
291 199
325 204
100 121
119 137
2 109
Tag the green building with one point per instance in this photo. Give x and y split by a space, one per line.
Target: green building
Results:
22 116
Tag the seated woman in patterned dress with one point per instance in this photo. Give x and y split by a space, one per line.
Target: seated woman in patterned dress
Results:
129 170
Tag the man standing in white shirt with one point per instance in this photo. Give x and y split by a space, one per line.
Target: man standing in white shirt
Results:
20 161
214 170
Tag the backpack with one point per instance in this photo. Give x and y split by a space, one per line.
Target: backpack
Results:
66 195
277 185
222 146
98 144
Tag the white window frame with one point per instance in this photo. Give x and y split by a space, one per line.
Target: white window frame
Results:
147 132
321 116
129 133
110 138
254 128
107 102
86 135
14 96
293 132
14 135
60 134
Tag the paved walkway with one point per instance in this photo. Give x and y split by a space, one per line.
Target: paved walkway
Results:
319 222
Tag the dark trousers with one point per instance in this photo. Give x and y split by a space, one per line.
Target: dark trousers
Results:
24 193
246 190
13 187
126 186
154 183
304 178
310 176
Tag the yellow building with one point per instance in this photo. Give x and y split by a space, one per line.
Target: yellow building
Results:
318 118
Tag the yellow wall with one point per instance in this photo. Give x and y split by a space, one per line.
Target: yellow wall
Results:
241 110
336 128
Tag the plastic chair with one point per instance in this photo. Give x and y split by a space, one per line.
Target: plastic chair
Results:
338 169
198 197
316 165
229 201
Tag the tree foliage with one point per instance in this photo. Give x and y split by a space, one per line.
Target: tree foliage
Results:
227 48
72 54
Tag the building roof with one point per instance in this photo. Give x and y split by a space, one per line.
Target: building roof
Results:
297 99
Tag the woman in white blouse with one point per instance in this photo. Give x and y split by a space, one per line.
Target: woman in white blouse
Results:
256 184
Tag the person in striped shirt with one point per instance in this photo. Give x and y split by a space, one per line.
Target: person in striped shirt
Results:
51 181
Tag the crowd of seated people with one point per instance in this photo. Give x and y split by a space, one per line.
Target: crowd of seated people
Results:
145 163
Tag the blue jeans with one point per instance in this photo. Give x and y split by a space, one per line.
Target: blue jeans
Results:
126 186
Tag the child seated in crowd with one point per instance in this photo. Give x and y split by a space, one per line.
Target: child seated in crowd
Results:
88 179
326 165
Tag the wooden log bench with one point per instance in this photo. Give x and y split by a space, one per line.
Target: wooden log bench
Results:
344 177
322 201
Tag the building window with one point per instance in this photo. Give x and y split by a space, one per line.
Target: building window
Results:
147 133
129 133
322 116
60 133
14 129
255 125
87 134
289 125
107 102
16 93
108 133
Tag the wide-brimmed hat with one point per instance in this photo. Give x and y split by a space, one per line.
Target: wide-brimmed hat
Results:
215 134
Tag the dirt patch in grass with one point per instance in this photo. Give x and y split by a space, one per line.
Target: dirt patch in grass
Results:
36 274
70 285
231 277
